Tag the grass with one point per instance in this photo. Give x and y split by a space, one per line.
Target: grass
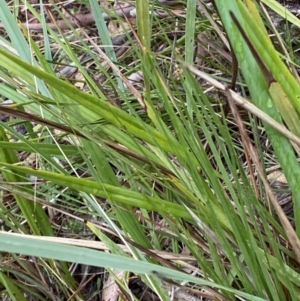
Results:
137 158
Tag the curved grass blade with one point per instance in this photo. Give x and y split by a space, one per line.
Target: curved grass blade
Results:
32 246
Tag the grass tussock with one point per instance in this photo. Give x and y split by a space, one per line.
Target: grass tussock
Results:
149 150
